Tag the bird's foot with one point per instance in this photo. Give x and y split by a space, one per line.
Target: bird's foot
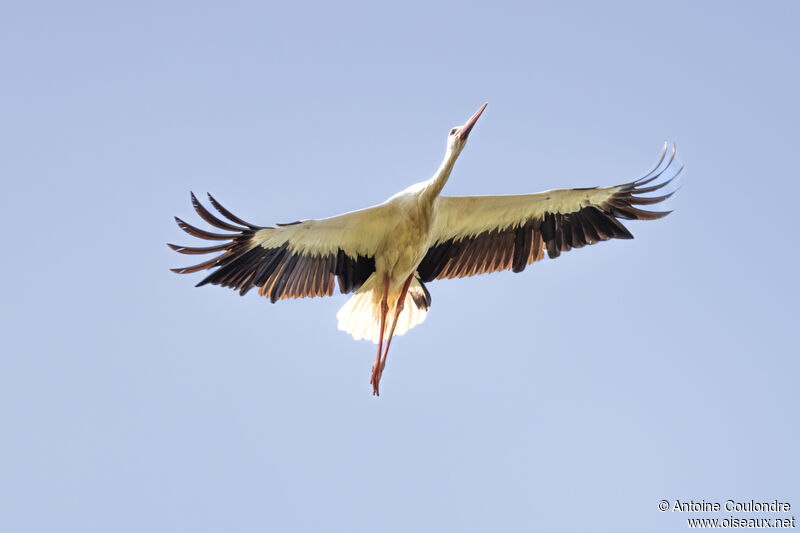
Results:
376 378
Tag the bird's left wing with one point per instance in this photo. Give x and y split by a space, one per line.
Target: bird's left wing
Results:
478 234
292 260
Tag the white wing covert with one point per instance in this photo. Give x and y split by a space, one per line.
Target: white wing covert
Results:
478 234
294 260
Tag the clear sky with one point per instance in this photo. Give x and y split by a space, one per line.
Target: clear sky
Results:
571 397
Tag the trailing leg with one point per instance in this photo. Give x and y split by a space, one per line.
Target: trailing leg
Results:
398 309
376 368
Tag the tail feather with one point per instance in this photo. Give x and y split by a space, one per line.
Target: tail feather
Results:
361 315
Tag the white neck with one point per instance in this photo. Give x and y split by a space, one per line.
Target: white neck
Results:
434 185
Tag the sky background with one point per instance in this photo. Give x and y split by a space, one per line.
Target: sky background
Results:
571 397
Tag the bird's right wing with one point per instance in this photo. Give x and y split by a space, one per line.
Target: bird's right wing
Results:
478 234
292 260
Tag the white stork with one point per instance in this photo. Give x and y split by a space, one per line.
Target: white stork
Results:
386 253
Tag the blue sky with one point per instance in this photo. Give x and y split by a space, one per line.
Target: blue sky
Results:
572 397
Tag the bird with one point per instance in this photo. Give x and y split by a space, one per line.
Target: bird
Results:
386 254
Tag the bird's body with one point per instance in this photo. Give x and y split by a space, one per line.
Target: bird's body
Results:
388 252
404 245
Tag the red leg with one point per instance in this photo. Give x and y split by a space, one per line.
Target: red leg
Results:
376 368
398 309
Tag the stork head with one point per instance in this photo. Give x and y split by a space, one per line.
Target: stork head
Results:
458 135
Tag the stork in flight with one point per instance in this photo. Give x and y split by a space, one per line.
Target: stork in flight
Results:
387 253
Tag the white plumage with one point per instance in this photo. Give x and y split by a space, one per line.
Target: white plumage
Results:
360 316
387 253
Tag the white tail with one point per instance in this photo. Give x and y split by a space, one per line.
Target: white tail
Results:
361 315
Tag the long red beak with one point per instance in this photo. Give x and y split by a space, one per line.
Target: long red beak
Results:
466 128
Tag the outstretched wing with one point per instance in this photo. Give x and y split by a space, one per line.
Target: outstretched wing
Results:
478 234
293 260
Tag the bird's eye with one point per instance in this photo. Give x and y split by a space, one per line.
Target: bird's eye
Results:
453 131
